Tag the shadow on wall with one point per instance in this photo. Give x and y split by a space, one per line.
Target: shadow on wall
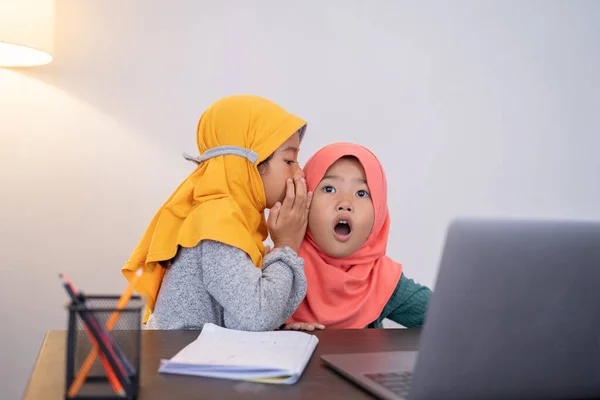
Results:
132 69
159 71
78 188
119 78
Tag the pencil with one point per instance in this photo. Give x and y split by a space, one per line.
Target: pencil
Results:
91 358
111 375
89 321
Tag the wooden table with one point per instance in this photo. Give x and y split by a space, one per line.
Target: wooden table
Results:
48 377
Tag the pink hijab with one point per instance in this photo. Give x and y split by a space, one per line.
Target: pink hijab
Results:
349 292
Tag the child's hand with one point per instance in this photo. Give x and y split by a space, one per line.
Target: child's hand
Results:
287 221
303 326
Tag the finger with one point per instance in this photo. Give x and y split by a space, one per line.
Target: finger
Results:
309 197
288 201
300 202
319 326
274 215
309 327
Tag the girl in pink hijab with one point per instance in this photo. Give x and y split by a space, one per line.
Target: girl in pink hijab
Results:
351 283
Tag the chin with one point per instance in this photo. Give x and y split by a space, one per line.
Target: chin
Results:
339 253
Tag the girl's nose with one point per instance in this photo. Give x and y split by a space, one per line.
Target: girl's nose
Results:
344 205
299 173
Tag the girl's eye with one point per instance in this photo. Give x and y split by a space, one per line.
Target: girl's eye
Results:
329 189
362 193
290 162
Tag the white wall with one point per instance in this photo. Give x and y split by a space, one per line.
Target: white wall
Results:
489 107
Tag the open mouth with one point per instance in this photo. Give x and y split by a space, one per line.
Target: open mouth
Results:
343 229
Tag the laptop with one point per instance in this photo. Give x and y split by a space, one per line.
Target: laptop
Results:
515 314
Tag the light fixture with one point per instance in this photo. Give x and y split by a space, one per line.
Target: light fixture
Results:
26 32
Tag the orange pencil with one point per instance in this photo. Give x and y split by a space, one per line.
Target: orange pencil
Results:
110 374
89 361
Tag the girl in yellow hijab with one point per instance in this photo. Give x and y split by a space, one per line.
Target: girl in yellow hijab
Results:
203 253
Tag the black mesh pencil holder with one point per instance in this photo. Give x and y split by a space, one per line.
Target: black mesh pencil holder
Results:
93 348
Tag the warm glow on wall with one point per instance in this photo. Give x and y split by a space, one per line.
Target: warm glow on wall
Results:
26 32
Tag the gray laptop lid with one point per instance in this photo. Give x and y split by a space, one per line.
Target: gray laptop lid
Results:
515 313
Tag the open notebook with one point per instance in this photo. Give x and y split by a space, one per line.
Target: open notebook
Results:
272 357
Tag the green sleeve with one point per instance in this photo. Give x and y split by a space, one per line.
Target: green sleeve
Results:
407 305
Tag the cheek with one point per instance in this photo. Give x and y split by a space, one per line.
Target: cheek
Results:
320 231
366 221
313 218
279 180
317 216
267 182
274 189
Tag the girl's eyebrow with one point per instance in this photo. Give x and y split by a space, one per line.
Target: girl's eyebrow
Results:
291 148
339 178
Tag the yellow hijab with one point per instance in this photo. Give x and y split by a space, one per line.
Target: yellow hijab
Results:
224 198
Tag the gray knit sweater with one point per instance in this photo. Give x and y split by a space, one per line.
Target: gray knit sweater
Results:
218 283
